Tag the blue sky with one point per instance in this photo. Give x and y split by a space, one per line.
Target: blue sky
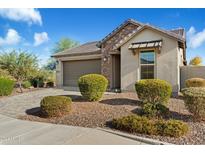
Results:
37 30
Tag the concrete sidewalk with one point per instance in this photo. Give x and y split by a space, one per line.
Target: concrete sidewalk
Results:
14 131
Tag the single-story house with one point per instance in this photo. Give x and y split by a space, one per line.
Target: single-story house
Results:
131 52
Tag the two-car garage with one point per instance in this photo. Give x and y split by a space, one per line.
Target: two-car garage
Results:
75 62
72 70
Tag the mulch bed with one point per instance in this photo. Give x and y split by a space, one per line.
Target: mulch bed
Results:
99 114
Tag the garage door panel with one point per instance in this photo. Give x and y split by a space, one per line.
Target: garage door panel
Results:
72 70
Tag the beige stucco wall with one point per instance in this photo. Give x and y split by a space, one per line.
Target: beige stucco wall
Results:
166 65
188 72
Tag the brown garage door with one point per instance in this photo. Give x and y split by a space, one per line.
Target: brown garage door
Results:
72 70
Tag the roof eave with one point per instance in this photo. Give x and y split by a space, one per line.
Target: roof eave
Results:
78 54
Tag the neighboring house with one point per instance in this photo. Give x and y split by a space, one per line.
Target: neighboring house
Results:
131 52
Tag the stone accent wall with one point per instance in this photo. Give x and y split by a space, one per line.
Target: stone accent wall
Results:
108 46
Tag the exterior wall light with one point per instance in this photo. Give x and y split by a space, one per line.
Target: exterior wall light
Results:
104 59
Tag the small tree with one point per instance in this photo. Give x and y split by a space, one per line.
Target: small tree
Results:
196 61
64 43
61 45
21 65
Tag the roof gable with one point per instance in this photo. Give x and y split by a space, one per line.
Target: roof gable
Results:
146 26
178 34
120 27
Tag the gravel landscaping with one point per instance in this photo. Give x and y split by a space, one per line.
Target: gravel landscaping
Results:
98 114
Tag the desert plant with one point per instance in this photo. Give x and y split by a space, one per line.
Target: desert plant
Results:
6 86
26 84
55 106
92 86
20 65
194 99
5 73
195 82
153 91
137 124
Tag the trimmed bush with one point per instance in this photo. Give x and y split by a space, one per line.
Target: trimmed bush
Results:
153 91
55 106
155 110
92 86
26 84
155 94
137 124
6 86
194 99
174 128
195 82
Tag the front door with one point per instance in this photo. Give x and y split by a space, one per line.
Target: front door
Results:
116 71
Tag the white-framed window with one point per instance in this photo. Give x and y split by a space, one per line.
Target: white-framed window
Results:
147 62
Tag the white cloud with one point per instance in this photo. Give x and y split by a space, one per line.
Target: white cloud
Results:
195 39
29 15
40 38
12 37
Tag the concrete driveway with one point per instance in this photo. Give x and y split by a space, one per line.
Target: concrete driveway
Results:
14 106
14 131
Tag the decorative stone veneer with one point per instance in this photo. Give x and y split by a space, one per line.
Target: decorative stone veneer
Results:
108 46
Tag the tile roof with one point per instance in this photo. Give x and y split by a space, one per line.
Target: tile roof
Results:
85 49
94 47
179 31
176 33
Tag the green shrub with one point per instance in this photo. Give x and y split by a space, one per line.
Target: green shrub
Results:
174 128
194 99
55 106
6 86
92 86
153 91
26 84
35 82
155 94
195 82
4 73
155 110
137 124
50 84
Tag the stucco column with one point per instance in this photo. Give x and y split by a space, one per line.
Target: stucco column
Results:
59 74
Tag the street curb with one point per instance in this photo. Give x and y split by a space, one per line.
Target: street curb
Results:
134 137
